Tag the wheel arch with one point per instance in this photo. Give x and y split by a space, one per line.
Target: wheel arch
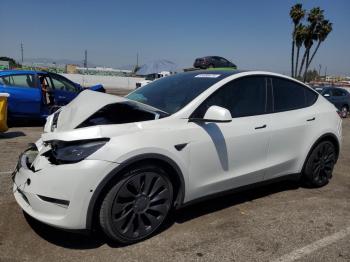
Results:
170 166
325 137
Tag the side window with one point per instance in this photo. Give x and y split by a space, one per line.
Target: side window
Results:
310 97
242 97
26 81
338 92
60 83
345 93
289 95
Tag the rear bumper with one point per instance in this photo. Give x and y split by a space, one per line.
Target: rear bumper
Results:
58 195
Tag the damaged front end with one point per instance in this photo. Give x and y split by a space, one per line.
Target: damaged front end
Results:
63 152
95 109
78 129
122 113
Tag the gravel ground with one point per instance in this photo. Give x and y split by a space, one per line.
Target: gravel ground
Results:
281 222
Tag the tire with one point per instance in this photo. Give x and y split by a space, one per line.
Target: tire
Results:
319 166
137 205
344 112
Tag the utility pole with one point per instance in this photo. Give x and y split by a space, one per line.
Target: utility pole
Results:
85 59
22 52
137 60
319 69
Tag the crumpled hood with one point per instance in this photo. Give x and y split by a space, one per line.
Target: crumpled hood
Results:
84 105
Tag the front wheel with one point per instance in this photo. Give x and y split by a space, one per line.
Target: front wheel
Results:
319 166
344 112
137 205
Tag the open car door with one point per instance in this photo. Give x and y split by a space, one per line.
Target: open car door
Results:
64 90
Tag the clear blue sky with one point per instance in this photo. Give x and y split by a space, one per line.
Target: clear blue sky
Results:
254 34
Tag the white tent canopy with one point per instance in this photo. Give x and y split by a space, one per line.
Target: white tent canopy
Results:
157 66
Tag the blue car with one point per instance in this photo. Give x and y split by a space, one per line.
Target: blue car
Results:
36 94
339 97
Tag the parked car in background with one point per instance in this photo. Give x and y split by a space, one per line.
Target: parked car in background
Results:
338 97
213 62
36 94
122 163
151 77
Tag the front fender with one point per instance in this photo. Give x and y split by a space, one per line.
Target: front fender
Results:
97 195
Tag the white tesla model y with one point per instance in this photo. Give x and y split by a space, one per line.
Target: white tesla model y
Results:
123 163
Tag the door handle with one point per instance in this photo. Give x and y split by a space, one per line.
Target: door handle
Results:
61 97
311 119
260 127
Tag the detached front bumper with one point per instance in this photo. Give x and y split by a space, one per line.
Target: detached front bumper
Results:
57 195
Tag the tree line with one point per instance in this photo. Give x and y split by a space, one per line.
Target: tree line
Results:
316 30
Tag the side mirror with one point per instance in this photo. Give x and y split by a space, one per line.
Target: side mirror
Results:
326 95
214 114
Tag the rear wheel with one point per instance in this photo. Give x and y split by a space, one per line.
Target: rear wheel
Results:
319 166
137 205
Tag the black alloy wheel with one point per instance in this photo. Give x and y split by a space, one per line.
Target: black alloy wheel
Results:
319 167
137 205
344 112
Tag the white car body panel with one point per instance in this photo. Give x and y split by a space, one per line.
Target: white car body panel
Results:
216 157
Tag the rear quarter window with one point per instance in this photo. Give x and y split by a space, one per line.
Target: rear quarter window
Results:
288 95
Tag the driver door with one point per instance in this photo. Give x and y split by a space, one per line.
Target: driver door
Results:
230 155
64 90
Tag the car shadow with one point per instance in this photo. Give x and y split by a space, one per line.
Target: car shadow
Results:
74 240
11 134
66 239
26 123
228 199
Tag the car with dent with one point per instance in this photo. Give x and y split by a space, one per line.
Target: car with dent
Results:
123 163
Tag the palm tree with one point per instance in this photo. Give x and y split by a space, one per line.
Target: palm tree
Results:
300 33
308 42
315 17
297 13
323 30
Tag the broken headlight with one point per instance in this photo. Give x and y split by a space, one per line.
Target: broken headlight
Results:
72 152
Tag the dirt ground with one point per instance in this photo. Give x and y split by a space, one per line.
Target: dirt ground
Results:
281 222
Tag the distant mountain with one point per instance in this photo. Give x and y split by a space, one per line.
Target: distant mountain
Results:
50 61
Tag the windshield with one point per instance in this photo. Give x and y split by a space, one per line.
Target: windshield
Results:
172 93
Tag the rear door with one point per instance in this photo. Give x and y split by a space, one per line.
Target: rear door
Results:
64 90
292 122
25 95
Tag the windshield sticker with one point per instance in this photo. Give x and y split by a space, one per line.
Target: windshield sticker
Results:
207 76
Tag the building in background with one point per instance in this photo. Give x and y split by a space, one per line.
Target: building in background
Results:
4 65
